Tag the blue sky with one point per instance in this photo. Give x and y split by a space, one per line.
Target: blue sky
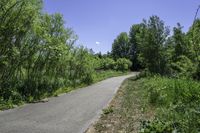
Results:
98 22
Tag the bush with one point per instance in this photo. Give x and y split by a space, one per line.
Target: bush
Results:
83 67
107 63
183 67
122 64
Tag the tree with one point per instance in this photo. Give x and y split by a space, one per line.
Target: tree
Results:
49 60
180 42
134 50
194 40
122 64
151 41
121 46
182 67
17 21
107 63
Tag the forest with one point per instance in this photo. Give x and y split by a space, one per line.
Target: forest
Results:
39 56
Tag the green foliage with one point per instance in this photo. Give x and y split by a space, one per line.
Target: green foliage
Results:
38 56
180 42
122 64
194 39
150 47
144 46
183 67
81 70
107 110
177 102
107 74
17 21
157 126
107 63
134 46
121 46
152 36
197 72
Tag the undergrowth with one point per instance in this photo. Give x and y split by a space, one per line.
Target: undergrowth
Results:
177 103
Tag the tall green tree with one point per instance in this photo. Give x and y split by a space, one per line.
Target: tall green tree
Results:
48 64
194 39
17 20
121 46
180 42
134 50
151 41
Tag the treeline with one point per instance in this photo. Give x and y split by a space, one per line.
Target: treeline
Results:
149 45
38 53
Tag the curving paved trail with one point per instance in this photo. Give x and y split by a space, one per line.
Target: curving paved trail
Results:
69 113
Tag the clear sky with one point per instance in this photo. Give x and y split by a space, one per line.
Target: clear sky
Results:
98 22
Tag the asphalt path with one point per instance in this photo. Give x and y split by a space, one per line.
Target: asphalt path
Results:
69 113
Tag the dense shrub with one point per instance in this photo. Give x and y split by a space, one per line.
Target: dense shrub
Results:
177 102
120 64
84 68
123 64
182 67
107 63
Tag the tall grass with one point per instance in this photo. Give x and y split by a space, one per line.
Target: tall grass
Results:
177 102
